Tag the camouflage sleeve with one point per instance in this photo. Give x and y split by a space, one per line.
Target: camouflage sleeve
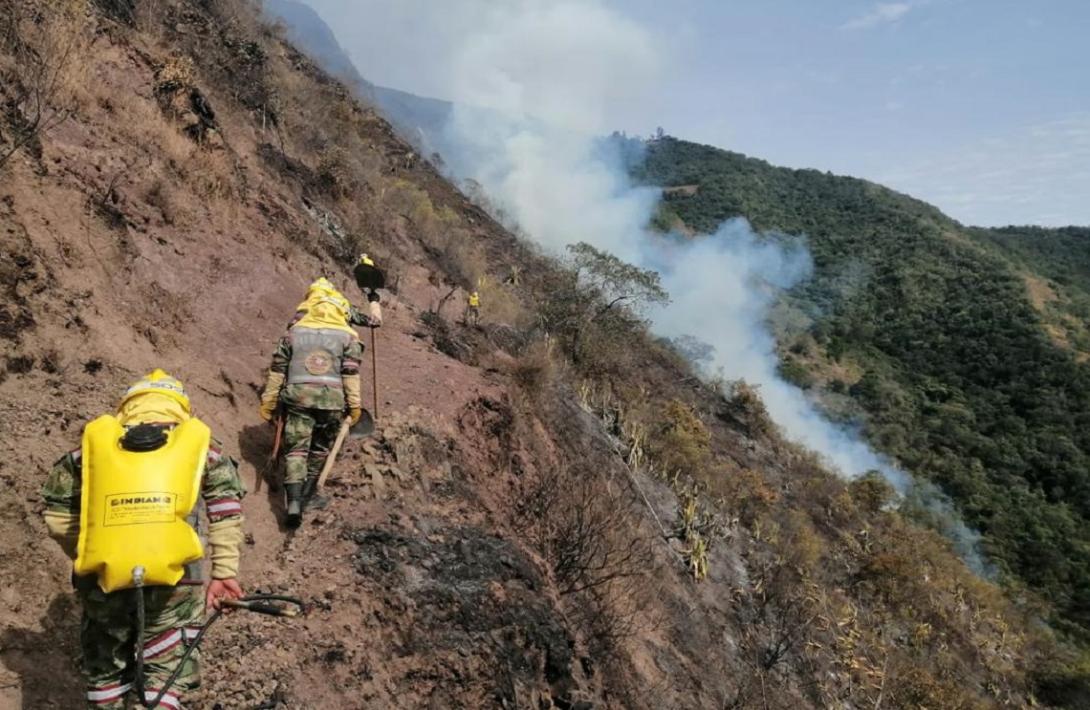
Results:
61 491
62 488
222 491
222 488
353 356
282 357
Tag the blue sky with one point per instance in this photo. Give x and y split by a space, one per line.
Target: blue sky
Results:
981 107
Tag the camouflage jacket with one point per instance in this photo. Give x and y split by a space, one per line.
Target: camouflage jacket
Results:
313 396
222 491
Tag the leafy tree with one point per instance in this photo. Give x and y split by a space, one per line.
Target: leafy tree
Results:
617 281
593 306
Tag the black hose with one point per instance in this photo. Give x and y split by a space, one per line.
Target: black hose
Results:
139 591
196 640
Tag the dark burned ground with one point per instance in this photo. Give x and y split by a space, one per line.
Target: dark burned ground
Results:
475 603
418 594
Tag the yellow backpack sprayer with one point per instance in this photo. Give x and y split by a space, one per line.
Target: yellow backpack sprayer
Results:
140 488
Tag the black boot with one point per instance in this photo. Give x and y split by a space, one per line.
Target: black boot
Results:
311 499
295 504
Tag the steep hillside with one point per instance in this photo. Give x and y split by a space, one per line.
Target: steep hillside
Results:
960 350
553 513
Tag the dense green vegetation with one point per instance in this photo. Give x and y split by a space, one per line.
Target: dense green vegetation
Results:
1062 255
962 376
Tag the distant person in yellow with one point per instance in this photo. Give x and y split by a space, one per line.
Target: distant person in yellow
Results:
473 309
129 498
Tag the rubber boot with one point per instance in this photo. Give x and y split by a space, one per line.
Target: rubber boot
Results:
311 499
295 504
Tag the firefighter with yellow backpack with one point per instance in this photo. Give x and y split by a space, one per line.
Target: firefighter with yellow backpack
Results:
125 508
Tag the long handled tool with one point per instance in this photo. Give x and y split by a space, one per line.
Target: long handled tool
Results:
271 463
341 434
374 377
362 428
277 438
370 278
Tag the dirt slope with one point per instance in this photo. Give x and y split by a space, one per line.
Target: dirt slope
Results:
96 300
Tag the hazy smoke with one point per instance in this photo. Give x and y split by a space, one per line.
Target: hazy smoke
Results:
535 84
553 176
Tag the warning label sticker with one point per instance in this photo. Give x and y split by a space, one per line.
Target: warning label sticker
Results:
139 508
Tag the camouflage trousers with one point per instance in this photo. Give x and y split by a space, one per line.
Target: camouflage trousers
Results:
172 618
308 436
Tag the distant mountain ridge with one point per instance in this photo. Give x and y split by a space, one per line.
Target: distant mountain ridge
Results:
308 31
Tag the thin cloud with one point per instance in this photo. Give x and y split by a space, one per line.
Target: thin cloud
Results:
1033 175
886 13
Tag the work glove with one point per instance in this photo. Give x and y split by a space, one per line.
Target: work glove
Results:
270 397
375 312
372 296
267 410
354 414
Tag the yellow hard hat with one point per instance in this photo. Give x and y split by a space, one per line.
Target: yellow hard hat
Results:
158 382
322 284
364 259
333 299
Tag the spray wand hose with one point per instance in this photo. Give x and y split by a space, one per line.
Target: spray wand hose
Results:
257 603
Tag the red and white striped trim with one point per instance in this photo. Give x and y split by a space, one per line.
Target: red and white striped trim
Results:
162 643
100 695
169 699
223 507
191 633
214 454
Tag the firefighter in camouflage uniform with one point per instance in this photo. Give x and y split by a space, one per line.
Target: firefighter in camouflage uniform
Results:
185 460
315 379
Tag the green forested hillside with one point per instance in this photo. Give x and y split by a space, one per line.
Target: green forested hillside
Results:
962 348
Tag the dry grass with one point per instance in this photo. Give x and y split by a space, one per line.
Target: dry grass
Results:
140 120
534 368
45 64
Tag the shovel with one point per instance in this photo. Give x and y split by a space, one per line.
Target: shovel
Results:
369 277
363 428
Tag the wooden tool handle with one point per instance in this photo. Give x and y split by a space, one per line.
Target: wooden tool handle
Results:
334 451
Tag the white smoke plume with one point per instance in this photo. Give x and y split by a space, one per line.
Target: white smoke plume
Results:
535 85
547 74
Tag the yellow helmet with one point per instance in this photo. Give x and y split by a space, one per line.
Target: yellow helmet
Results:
158 382
364 259
322 284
